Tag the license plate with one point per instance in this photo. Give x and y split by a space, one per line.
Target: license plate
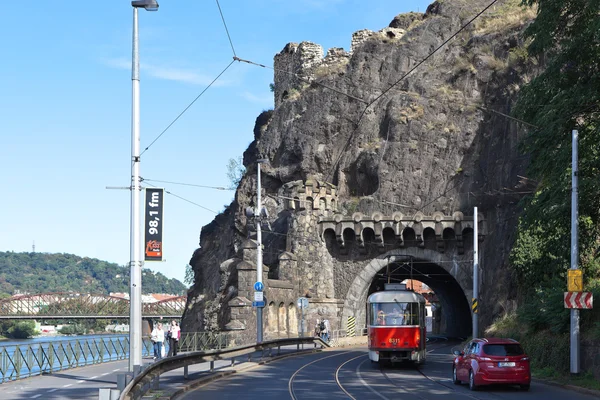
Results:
506 364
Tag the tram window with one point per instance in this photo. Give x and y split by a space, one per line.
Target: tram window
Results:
394 314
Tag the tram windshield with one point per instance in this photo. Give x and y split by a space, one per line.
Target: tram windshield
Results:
386 314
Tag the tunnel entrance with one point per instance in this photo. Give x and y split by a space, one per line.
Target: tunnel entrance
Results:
450 308
451 313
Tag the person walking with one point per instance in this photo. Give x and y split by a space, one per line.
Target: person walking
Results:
157 337
327 330
323 330
174 335
318 328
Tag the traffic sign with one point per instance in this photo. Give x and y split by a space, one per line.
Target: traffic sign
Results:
575 280
258 296
258 286
583 300
258 304
302 303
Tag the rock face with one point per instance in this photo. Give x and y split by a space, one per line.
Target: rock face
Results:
380 138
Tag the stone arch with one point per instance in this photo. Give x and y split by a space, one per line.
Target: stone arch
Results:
349 237
429 239
330 240
282 311
297 204
272 321
449 237
310 203
453 293
368 240
409 237
322 205
467 236
292 320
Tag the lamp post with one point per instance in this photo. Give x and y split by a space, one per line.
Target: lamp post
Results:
135 264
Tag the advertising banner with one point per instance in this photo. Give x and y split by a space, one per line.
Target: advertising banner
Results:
153 224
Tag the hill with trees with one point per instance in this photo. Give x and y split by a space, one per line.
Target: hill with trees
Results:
58 272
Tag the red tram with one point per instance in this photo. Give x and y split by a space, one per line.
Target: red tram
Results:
396 325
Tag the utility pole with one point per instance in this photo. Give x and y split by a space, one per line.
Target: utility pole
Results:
259 258
135 263
475 304
574 249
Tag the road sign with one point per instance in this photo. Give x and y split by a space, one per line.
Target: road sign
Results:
258 296
575 280
579 300
302 302
258 286
258 304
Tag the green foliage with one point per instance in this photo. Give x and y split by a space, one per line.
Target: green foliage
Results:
74 329
235 172
189 275
272 87
21 329
45 272
565 39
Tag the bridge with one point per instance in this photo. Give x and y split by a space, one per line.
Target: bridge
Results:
69 305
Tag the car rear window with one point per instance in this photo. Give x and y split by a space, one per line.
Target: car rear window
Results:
503 350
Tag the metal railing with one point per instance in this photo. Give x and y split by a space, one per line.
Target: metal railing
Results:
26 360
150 376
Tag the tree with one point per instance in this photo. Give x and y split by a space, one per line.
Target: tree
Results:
22 330
189 275
565 38
235 172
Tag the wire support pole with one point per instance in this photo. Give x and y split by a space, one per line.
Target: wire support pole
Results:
259 258
574 359
135 310
474 304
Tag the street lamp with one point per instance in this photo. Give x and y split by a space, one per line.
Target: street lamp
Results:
135 264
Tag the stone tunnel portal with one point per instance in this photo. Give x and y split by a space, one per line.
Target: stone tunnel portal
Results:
432 268
454 311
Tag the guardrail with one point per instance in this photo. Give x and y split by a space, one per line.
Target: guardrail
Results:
149 377
20 361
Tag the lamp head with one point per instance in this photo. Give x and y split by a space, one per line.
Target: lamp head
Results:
149 5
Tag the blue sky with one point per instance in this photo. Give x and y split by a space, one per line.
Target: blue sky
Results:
65 110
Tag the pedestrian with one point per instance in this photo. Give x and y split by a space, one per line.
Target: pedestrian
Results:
327 330
174 335
157 337
323 330
318 328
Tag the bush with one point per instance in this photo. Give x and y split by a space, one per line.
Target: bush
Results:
75 329
22 330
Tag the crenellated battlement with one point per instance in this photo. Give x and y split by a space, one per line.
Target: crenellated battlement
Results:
310 195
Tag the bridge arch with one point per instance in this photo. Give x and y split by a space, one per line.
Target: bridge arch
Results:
447 276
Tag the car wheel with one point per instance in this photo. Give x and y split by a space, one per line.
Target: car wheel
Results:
525 387
472 385
454 377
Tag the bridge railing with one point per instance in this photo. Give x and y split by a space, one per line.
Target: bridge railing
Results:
149 377
25 360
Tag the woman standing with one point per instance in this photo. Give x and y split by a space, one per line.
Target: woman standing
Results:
157 337
173 335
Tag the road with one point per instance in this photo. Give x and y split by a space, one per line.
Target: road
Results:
348 374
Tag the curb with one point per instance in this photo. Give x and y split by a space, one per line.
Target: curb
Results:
172 394
574 388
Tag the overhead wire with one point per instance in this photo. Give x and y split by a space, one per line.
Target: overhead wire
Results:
186 184
187 108
184 199
226 29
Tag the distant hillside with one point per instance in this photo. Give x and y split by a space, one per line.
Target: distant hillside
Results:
47 272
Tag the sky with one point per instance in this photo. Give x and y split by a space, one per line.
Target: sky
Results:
65 111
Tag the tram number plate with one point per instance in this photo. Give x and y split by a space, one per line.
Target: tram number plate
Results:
506 364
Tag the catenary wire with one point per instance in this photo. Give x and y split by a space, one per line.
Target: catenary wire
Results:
226 29
187 108
186 184
184 199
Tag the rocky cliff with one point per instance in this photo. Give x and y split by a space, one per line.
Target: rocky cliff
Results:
385 132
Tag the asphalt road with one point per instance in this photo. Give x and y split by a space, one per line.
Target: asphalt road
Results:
349 374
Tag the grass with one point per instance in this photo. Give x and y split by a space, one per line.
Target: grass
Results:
507 16
585 380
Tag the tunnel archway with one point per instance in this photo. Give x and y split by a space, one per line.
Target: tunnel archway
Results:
434 269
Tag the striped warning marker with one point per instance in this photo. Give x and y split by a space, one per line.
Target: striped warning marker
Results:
351 327
474 306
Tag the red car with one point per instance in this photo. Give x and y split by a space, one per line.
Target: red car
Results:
491 361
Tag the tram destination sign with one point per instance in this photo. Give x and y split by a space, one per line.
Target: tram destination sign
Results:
153 224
